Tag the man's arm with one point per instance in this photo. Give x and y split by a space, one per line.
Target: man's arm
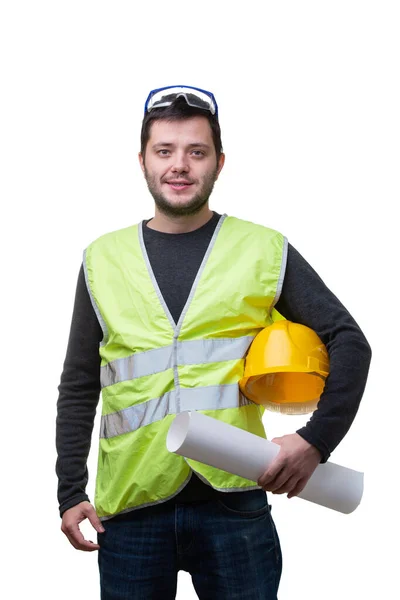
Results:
78 398
306 299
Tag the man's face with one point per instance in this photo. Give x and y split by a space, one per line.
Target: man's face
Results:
180 165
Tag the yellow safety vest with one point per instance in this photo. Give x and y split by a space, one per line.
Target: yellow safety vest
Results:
153 369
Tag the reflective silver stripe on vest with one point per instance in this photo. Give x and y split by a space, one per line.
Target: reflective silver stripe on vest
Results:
136 416
136 365
199 352
193 352
213 397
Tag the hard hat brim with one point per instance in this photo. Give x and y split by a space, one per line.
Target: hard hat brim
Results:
284 390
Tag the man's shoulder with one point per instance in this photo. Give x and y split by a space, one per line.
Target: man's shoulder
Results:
115 235
250 226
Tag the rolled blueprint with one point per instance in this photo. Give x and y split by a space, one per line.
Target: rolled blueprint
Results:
207 440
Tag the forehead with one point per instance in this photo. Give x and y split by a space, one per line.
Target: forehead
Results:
195 129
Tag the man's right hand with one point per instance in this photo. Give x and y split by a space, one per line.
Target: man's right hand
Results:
70 525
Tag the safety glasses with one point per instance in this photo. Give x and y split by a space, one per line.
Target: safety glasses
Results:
196 97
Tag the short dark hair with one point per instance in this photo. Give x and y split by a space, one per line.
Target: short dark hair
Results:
179 110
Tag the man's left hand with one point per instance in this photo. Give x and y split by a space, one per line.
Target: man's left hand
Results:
290 471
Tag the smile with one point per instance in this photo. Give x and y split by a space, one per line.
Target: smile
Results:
179 186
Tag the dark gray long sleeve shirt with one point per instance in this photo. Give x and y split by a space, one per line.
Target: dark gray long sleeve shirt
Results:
175 260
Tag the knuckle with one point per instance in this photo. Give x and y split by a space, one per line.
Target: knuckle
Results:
90 512
65 527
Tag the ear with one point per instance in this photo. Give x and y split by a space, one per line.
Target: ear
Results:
141 161
221 163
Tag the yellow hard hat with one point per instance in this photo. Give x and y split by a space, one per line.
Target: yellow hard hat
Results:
285 369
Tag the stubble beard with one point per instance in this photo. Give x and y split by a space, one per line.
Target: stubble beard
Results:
192 207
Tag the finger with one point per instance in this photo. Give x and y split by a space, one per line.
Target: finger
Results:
281 481
287 486
84 545
274 469
89 546
94 519
298 488
77 540
276 440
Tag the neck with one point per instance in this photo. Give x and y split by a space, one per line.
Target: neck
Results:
180 224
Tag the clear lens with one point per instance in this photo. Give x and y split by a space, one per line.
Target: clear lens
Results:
193 97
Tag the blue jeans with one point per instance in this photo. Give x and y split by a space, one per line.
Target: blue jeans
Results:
229 545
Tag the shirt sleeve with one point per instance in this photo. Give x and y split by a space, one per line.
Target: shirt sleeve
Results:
79 392
305 299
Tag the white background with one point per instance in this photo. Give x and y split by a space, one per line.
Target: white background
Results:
309 109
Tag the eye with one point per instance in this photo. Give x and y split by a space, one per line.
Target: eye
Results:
163 152
198 153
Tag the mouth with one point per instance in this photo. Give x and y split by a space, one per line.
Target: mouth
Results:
179 185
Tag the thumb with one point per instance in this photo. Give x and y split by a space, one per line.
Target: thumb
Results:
94 519
277 440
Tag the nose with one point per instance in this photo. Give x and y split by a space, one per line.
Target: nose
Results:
180 163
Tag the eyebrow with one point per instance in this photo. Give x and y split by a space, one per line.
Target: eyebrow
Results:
199 145
191 145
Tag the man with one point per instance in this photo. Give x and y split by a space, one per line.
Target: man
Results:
174 303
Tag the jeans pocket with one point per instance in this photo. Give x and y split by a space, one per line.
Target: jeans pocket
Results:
248 504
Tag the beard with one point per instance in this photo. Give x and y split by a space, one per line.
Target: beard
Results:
191 207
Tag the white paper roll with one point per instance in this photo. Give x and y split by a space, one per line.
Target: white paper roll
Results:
207 440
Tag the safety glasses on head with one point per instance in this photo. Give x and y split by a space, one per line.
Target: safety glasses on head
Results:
162 97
